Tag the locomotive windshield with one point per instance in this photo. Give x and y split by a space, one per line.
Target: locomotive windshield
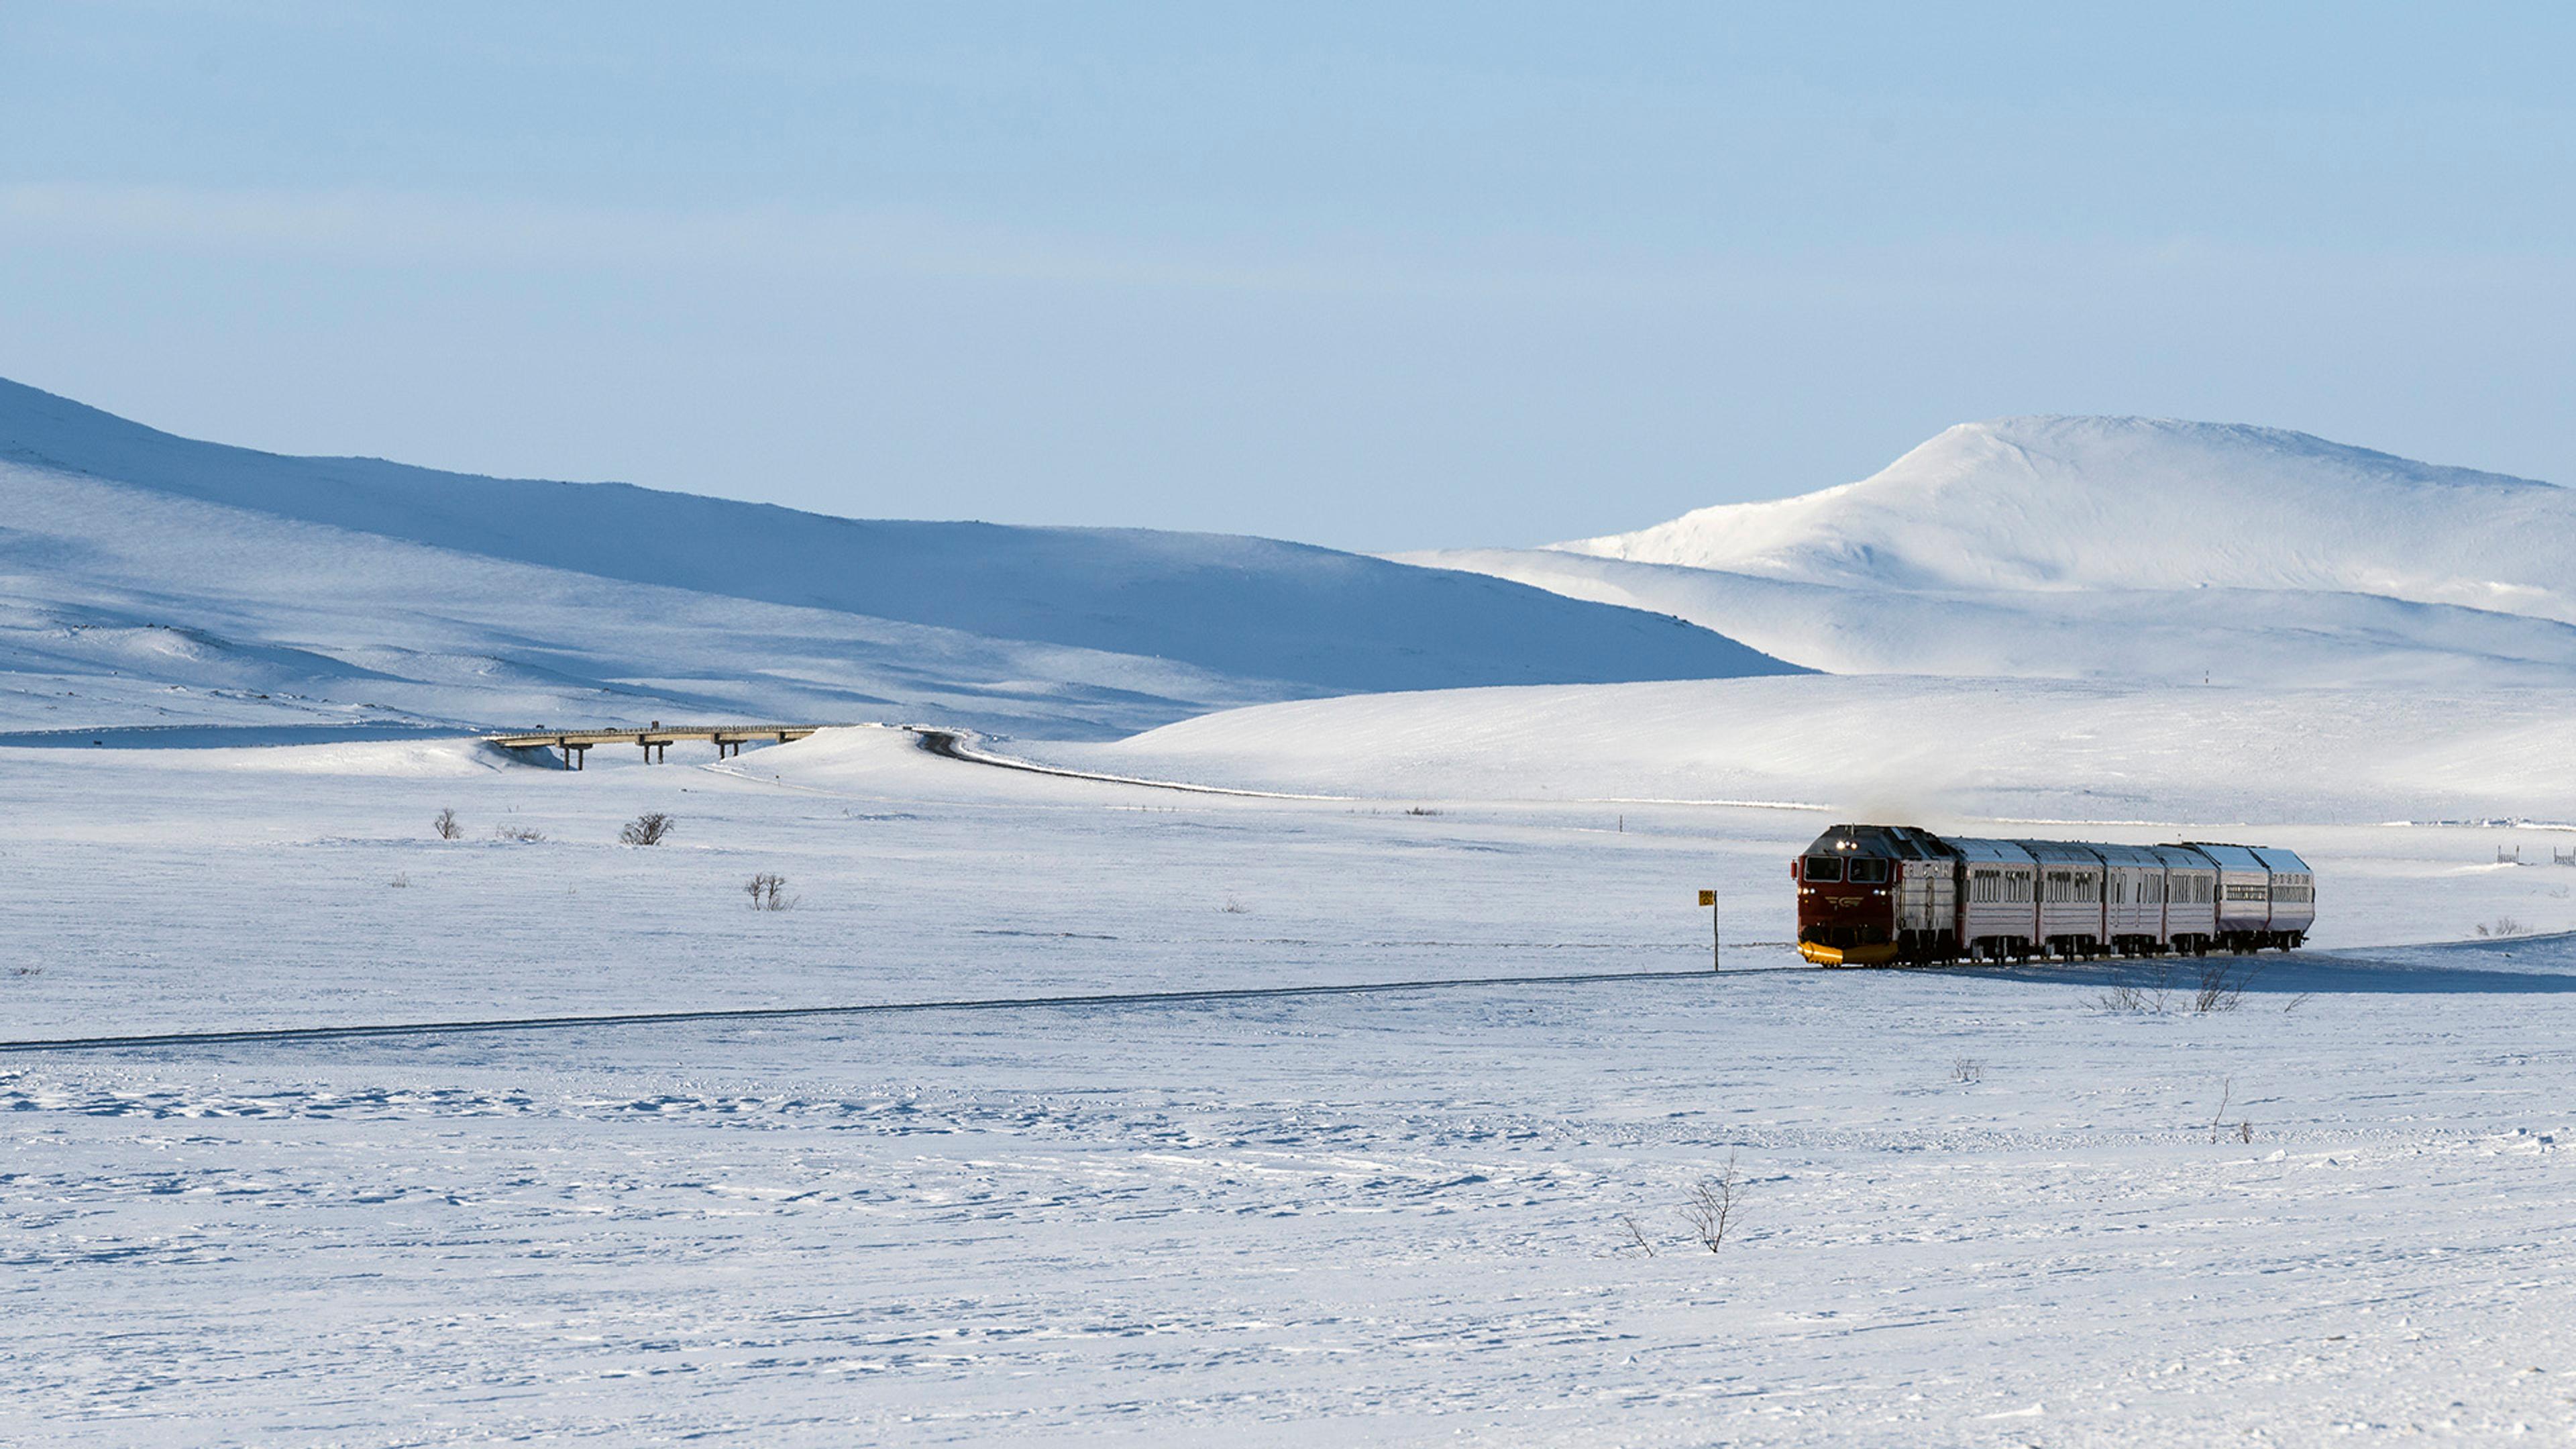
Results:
1824 867
1867 871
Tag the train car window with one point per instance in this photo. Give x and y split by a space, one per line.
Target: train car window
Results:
1824 867
1864 871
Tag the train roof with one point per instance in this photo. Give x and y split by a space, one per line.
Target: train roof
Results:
2230 857
1906 842
1899 842
2180 857
2060 852
2281 861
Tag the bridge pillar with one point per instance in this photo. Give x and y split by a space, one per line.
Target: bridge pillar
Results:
574 754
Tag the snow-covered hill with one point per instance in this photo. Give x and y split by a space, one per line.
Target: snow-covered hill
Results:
2118 548
2139 503
145 577
1932 751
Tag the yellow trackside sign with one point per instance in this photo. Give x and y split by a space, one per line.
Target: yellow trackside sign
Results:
1708 898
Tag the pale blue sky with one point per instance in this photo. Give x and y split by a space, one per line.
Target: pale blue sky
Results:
1375 276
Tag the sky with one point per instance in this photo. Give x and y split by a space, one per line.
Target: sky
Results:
1379 277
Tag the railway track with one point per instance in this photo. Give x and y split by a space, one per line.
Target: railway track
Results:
293 1034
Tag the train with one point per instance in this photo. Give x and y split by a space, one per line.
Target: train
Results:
1873 895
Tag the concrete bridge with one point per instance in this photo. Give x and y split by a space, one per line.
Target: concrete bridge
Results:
655 739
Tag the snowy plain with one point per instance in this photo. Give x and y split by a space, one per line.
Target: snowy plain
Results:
2054 1205
1980 1208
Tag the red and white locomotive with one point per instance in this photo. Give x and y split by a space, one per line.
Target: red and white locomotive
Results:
1871 894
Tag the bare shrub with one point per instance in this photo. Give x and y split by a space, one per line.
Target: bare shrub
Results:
1713 1204
2132 1000
400 881
768 892
522 834
2150 996
1967 1070
2503 928
1421 810
2222 986
1632 1236
446 825
646 829
1233 907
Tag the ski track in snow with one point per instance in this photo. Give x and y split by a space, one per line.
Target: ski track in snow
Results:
1981 1208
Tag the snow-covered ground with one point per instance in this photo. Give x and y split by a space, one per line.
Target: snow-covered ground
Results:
1935 751
2058 1205
1978 1208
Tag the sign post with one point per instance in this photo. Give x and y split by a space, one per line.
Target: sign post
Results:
1716 952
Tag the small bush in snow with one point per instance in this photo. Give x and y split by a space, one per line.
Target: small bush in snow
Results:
2503 927
646 829
400 881
523 834
446 825
768 892
1233 907
2132 1000
1968 1070
2243 1130
1713 1205
2222 987
1632 1236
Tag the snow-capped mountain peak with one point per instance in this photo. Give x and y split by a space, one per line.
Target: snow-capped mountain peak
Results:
2068 503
